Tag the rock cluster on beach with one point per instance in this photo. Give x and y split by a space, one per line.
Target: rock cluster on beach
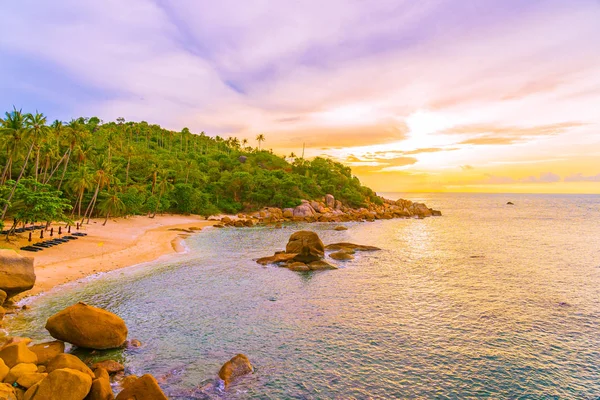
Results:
331 210
16 274
306 252
44 371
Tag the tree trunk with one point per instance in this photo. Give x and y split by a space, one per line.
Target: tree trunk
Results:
12 192
5 171
68 154
106 219
90 205
127 170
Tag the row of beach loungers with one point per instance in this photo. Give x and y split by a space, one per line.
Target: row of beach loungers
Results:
27 229
53 242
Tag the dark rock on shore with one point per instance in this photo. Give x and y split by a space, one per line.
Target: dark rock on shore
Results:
145 387
87 326
341 256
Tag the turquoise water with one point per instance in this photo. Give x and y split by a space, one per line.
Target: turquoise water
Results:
489 300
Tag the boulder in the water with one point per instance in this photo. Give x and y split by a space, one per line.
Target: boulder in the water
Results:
340 228
320 265
307 245
510 203
297 266
87 326
234 368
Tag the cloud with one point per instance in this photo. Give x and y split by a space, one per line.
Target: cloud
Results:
466 167
547 177
579 177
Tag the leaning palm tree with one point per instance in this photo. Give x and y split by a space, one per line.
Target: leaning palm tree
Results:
260 138
111 205
13 130
80 181
39 132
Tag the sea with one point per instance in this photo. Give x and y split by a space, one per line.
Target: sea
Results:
490 300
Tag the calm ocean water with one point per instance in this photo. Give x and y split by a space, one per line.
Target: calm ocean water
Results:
489 300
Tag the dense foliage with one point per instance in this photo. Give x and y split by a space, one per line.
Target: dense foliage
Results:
88 168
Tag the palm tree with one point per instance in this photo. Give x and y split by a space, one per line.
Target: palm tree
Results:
260 138
162 186
39 132
13 130
18 123
111 204
81 180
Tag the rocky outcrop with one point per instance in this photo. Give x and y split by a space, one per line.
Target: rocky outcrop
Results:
47 351
145 387
306 245
238 366
276 258
16 272
87 326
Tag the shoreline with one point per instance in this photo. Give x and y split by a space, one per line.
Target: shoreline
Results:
121 243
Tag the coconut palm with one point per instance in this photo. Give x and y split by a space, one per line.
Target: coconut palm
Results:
260 138
81 180
111 204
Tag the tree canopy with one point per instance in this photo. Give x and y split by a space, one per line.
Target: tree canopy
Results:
127 168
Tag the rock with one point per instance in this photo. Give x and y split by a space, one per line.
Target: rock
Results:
7 392
234 368
297 266
41 369
341 256
47 351
101 373
242 159
307 245
320 265
19 370
276 258
421 210
436 213
16 272
2 313
111 366
100 390
61 384
17 353
143 388
16 339
28 380
87 326
133 344
288 213
128 380
3 296
3 370
343 246
69 361
510 203
304 210
330 201
340 228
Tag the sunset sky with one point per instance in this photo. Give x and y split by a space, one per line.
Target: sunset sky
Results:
447 95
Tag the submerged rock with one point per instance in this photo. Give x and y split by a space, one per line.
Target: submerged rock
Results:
307 245
343 246
87 326
341 256
16 272
340 228
234 368
320 265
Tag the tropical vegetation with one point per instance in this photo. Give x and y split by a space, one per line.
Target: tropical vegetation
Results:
88 168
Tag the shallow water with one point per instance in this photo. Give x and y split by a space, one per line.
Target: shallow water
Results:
489 300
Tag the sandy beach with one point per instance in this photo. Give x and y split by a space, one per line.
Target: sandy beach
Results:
122 242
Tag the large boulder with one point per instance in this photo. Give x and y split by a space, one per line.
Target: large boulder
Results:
16 272
87 326
17 353
69 361
304 210
307 245
330 201
61 384
30 379
143 388
19 370
100 390
234 368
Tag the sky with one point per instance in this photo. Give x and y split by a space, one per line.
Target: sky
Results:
429 95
